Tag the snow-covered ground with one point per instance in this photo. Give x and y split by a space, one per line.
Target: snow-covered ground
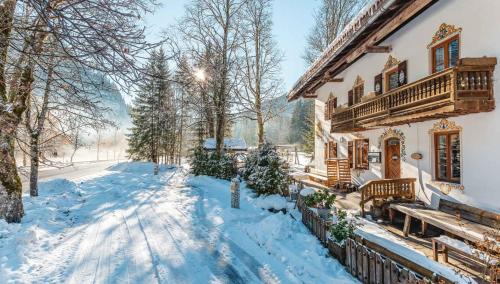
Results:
124 225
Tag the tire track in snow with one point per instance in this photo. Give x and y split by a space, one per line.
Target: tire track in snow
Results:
218 262
152 254
82 266
202 232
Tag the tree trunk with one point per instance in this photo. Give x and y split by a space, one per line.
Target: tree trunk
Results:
260 128
11 205
35 160
98 144
220 131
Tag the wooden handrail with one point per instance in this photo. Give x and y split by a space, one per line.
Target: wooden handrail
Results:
470 80
385 188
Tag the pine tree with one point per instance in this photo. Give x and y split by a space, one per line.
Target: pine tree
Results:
302 125
153 130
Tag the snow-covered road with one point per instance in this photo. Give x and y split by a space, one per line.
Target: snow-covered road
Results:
128 226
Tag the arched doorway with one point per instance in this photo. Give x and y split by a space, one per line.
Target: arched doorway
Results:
392 158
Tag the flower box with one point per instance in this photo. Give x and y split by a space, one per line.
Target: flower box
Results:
337 250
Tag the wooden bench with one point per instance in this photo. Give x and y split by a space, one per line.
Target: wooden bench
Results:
462 228
317 177
444 245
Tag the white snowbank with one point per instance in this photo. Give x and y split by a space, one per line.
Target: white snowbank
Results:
282 240
307 191
270 202
137 167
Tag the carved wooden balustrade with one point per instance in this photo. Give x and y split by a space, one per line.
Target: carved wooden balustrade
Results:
385 188
467 88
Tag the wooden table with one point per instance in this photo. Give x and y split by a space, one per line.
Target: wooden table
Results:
462 228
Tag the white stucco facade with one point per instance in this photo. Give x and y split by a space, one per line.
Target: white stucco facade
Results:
479 133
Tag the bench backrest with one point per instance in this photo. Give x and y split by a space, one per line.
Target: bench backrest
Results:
471 213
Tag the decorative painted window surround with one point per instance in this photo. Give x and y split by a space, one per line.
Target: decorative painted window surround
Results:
444 126
390 68
442 38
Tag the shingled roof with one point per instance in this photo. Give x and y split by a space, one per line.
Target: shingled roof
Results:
375 15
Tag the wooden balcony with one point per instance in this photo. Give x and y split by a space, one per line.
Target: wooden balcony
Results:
465 89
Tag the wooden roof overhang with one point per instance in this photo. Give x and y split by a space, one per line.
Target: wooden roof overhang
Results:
374 24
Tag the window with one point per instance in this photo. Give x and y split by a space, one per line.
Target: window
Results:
391 79
361 153
358 93
330 106
447 156
394 77
332 150
355 94
445 54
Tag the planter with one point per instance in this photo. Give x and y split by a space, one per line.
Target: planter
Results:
336 250
323 213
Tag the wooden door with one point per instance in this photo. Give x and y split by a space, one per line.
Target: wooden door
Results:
392 159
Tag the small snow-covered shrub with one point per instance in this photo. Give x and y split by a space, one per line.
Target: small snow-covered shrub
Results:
209 163
264 171
342 228
320 200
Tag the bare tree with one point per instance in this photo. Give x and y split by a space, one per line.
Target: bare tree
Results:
330 19
212 27
103 35
259 67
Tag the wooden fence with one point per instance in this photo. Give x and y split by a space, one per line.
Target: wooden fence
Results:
372 267
366 261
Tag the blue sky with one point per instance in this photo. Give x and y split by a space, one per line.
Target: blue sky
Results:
292 21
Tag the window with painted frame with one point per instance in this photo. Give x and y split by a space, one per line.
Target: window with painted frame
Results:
447 156
445 54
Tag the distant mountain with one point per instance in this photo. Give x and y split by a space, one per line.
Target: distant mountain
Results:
112 99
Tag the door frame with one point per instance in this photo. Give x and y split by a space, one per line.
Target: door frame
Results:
386 156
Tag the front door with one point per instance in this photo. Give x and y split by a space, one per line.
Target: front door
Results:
392 158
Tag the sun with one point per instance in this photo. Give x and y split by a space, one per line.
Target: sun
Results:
200 74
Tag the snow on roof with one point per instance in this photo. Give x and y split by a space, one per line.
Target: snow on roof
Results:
229 144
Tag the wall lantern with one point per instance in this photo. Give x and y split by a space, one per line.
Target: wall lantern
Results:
416 156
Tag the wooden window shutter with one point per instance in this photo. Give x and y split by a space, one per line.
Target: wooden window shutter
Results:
327 110
350 98
377 86
332 150
364 154
402 73
326 152
349 153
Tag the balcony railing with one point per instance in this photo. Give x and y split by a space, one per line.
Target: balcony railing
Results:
467 88
385 188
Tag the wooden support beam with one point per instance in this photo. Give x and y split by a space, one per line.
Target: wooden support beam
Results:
378 49
393 24
406 226
333 80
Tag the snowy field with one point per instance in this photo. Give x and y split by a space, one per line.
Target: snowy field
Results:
125 225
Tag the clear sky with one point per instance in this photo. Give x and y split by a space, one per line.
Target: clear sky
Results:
292 21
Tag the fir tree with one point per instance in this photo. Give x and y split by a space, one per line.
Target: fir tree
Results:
151 133
302 125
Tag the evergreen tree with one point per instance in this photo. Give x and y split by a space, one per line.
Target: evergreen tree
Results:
302 125
153 127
